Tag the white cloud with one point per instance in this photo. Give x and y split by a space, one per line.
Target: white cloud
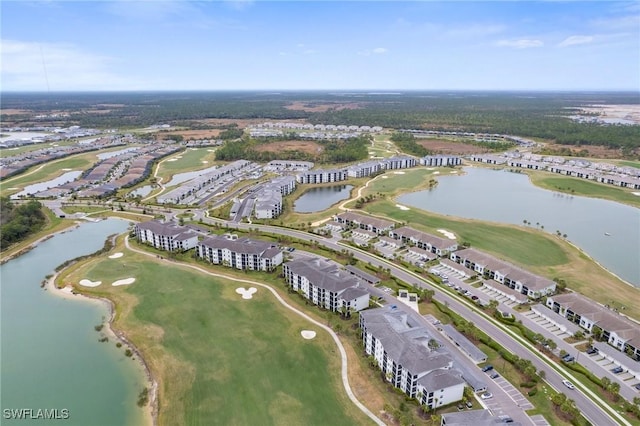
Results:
376 51
521 43
575 40
44 66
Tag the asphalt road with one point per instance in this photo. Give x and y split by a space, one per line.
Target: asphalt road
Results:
588 408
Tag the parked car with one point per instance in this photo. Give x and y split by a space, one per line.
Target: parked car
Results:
460 407
592 351
487 368
568 384
494 375
617 370
568 358
486 395
474 297
637 386
469 404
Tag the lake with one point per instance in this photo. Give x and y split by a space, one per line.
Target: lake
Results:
607 231
37 187
321 198
51 357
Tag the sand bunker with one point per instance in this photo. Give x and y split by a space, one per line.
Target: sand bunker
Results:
636 193
116 255
210 150
66 170
401 207
205 161
447 234
246 294
384 177
436 173
453 172
125 281
398 173
89 283
308 334
172 159
12 189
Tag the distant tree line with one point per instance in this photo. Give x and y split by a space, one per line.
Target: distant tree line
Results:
407 143
18 222
538 115
334 151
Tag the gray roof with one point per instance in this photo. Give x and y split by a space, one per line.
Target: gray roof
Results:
362 274
404 342
353 293
323 274
472 350
440 379
169 229
241 245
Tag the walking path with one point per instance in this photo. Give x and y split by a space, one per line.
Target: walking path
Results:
342 206
343 353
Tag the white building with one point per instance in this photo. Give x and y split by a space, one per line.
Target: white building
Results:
240 253
326 285
440 160
166 236
531 285
437 245
322 176
401 350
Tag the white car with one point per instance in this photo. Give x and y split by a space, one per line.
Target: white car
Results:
486 395
568 384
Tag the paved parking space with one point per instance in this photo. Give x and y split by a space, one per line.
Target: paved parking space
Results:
514 393
539 420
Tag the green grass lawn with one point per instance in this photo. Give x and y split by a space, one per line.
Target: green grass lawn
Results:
192 159
585 188
521 246
394 184
220 359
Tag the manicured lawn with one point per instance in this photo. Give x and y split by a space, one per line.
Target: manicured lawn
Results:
521 246
585 188
533 250
220 359
192 159
394 184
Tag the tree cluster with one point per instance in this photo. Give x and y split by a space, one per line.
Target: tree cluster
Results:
20 221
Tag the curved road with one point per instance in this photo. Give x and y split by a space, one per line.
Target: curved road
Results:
343 353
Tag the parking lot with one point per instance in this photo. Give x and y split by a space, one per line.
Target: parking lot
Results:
546 324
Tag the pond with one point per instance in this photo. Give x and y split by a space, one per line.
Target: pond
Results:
37 187
321 198
607 231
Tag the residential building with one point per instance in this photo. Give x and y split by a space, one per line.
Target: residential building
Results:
322 176
398 162
432 243
362 221
620 332
166 236
531 285
440 160
401 350
325 284
240 253
364 169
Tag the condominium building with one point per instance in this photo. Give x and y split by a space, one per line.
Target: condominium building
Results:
325 284
401 350
240 253
166 236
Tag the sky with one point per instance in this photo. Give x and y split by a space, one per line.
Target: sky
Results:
123 45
